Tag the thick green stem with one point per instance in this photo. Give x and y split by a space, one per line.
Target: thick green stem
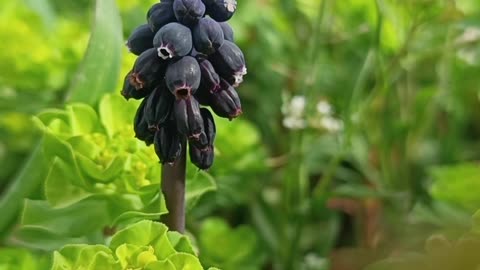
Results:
173 188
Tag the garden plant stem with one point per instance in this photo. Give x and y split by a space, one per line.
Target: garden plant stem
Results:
173 188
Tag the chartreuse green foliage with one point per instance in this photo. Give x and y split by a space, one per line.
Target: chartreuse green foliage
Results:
49 47
22 259
440 253
99 175
144 245
457 184
229 248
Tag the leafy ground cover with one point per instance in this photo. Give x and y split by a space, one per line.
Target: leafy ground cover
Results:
358 147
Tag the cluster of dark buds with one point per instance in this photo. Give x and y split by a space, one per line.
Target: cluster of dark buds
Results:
187 60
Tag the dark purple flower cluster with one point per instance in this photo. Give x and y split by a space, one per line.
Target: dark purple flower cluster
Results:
186 59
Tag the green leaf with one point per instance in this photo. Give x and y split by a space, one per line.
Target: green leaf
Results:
79 219
95 171
185 261
38 238
54 147
180 242
82 118
224 246
20 259
116 113
84 257
60 190
28 180
101 66
457 184
161 265
197 185
143 233
127 255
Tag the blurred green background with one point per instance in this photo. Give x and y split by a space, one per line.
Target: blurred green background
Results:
360 136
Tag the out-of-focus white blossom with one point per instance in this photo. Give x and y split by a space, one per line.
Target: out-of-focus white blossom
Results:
294 111
331 124
324 108
294 123
295 116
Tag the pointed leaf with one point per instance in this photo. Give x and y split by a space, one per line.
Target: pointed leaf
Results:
101 66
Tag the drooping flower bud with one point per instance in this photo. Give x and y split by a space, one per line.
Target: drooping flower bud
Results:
167 143
173 41
160 14
140 40
188 118
229 62
188 12
202 158
210 79
221 10
140 126
183 77
207 36
226 102
227 31
148 70
129 91
158 108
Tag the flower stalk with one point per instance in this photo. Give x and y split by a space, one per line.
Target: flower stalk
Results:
173 189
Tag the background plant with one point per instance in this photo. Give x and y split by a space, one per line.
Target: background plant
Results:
359 136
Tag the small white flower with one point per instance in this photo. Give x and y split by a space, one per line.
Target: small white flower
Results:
331 124
324 108
294 123
297 105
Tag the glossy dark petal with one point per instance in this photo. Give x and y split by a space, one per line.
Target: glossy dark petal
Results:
210 81
207 36
140 40
148 70
221 10
188 118
202 158
167 143
188 12
130 91
226 102
227 31
229 62
160 14
209 125
183 77
173 41
140 126
158 108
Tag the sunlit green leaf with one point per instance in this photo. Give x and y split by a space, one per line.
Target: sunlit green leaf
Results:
116 113
101 65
